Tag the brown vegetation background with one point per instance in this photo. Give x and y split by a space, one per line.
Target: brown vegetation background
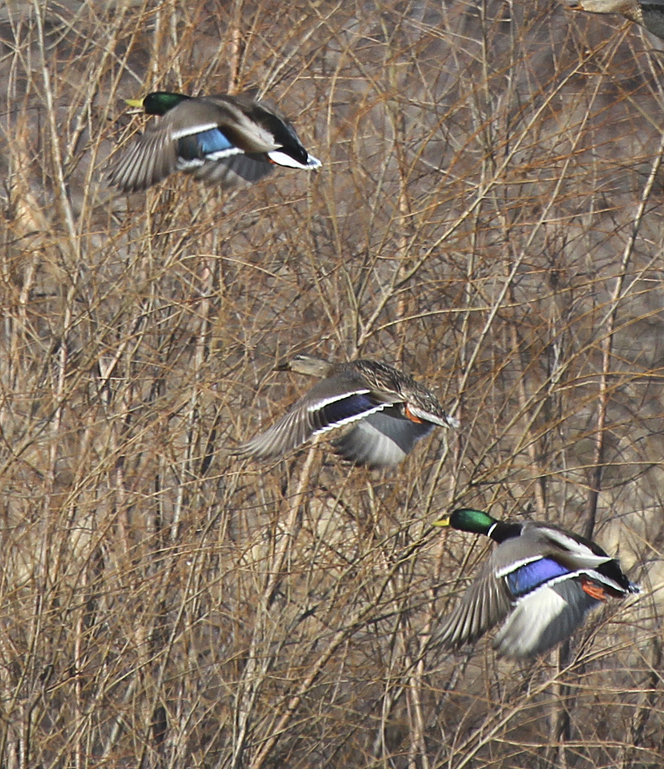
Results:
489 217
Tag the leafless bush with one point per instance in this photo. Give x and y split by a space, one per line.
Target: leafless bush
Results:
488 217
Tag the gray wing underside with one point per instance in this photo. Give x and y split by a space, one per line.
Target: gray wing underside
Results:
543 619
232 171
381 439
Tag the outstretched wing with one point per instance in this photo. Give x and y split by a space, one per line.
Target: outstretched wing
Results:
484 604
331 403
149 160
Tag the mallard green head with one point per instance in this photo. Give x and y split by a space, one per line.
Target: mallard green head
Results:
158 102
467 519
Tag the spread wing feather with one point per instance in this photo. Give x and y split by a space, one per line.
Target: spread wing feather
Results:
485 603
327 405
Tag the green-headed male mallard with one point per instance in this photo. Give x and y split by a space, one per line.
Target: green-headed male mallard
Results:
391 409
539 582
226 140
648 14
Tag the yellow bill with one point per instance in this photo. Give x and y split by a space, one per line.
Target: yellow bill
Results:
444 521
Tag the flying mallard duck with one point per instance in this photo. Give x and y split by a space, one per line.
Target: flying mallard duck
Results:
648 14
226 140
540 582
391 409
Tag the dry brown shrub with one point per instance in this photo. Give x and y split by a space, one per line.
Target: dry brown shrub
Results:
489 217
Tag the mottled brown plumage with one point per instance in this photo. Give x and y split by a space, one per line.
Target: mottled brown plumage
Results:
391 410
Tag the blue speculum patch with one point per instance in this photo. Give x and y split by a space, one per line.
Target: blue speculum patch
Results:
346 408
202 144
526 578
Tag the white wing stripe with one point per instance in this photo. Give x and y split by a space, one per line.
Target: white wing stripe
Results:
224 153
515 565
320 403
348 420
192 130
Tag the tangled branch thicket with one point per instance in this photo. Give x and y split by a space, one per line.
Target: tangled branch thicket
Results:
489 217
